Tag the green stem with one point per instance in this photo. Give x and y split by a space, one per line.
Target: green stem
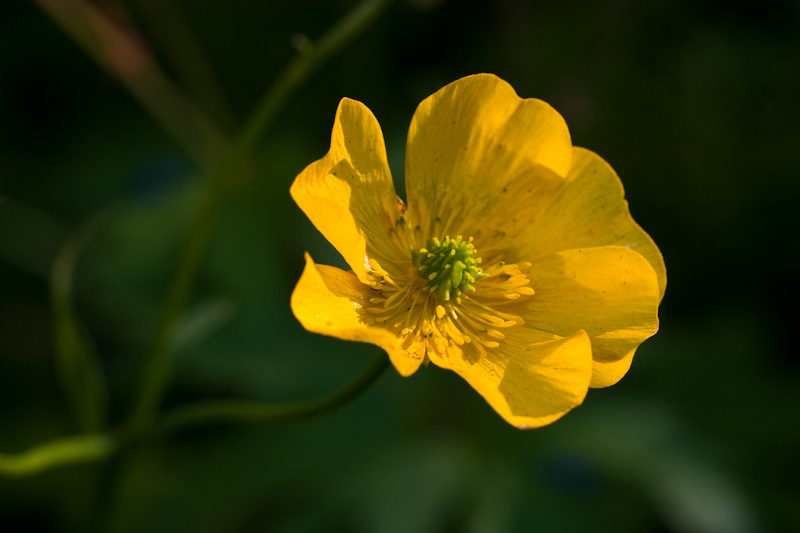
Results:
154 377
247 412
83 448
308 58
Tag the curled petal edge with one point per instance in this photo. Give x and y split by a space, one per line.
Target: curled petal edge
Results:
330 301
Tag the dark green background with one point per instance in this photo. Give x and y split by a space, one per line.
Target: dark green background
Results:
696 105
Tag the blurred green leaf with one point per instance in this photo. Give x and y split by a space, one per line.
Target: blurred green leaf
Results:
77 363
646 445
201 321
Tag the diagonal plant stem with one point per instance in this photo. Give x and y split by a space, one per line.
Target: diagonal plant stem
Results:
127 58
309 57
156 365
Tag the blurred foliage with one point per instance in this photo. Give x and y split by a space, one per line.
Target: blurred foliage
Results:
696 106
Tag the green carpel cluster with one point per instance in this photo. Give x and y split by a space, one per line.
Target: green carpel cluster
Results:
449 267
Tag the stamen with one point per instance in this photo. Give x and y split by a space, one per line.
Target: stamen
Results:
465 317
449 267
495 334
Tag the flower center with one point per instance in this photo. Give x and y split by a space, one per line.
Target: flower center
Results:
449 267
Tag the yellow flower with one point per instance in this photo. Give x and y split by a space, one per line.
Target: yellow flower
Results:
516 263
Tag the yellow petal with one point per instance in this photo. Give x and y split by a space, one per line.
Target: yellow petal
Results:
610 292
530 382
589 210
607 373
349 194
469 140
332 302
